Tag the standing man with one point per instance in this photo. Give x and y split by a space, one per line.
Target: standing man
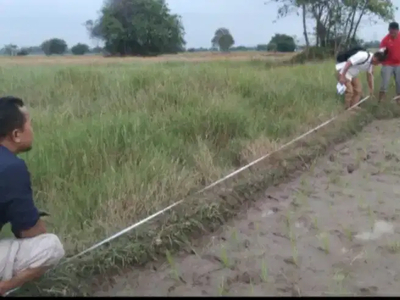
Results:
391 66
33 250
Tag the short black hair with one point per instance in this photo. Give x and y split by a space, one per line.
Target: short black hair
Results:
381 55
394 26
11 116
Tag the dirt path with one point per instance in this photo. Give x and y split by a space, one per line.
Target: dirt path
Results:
335 230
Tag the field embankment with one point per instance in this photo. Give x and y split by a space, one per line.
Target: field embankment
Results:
330 231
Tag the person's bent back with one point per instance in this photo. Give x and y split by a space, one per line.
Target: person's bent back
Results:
33 250
348 67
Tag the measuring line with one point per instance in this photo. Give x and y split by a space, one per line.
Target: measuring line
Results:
202 190
396 98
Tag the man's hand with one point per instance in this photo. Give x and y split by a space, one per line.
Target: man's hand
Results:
36 230
342 79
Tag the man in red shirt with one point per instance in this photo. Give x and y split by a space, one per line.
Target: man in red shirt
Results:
391 66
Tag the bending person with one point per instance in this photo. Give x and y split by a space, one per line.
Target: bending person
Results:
348 70
33 250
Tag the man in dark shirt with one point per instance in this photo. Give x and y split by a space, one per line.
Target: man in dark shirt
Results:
33 250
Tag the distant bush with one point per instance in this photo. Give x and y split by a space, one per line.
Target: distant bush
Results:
282 43
54 46
262 47
22 52
80 49
312 54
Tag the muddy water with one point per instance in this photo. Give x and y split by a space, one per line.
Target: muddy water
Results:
335 230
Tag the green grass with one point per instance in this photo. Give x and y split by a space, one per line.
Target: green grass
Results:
116 143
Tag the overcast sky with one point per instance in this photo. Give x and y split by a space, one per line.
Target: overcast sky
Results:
30 22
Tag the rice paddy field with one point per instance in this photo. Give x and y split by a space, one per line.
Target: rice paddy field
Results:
119 139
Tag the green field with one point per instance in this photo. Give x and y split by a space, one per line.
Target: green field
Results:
115 143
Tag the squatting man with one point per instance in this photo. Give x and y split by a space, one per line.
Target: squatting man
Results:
348 67
32 251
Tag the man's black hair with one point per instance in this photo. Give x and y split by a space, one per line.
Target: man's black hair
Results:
381 55
11 117
394 26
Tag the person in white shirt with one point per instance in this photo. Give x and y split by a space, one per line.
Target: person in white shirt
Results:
347 73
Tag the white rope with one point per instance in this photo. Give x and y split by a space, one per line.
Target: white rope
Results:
396 98
114 236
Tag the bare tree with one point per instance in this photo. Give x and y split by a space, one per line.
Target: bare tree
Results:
336 21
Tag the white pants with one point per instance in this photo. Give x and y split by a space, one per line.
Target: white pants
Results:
17 255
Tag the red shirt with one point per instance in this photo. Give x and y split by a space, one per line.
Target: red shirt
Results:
393 46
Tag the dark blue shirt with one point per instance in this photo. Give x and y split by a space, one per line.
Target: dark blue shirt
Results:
16 199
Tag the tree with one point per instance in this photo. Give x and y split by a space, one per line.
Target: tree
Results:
138 27
23 52
80 49
272 47
222 39
290 6
96 50
11 49
262 47
54 46
337 21
241 48
283 43
34 50
372 44
201 49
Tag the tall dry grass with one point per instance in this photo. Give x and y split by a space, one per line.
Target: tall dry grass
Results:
114 144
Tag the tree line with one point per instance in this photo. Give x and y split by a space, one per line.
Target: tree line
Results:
49 47
336 22
147 28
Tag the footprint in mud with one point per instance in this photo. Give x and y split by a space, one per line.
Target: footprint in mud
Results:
391 156
245 277
290 261
351 168
368 291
